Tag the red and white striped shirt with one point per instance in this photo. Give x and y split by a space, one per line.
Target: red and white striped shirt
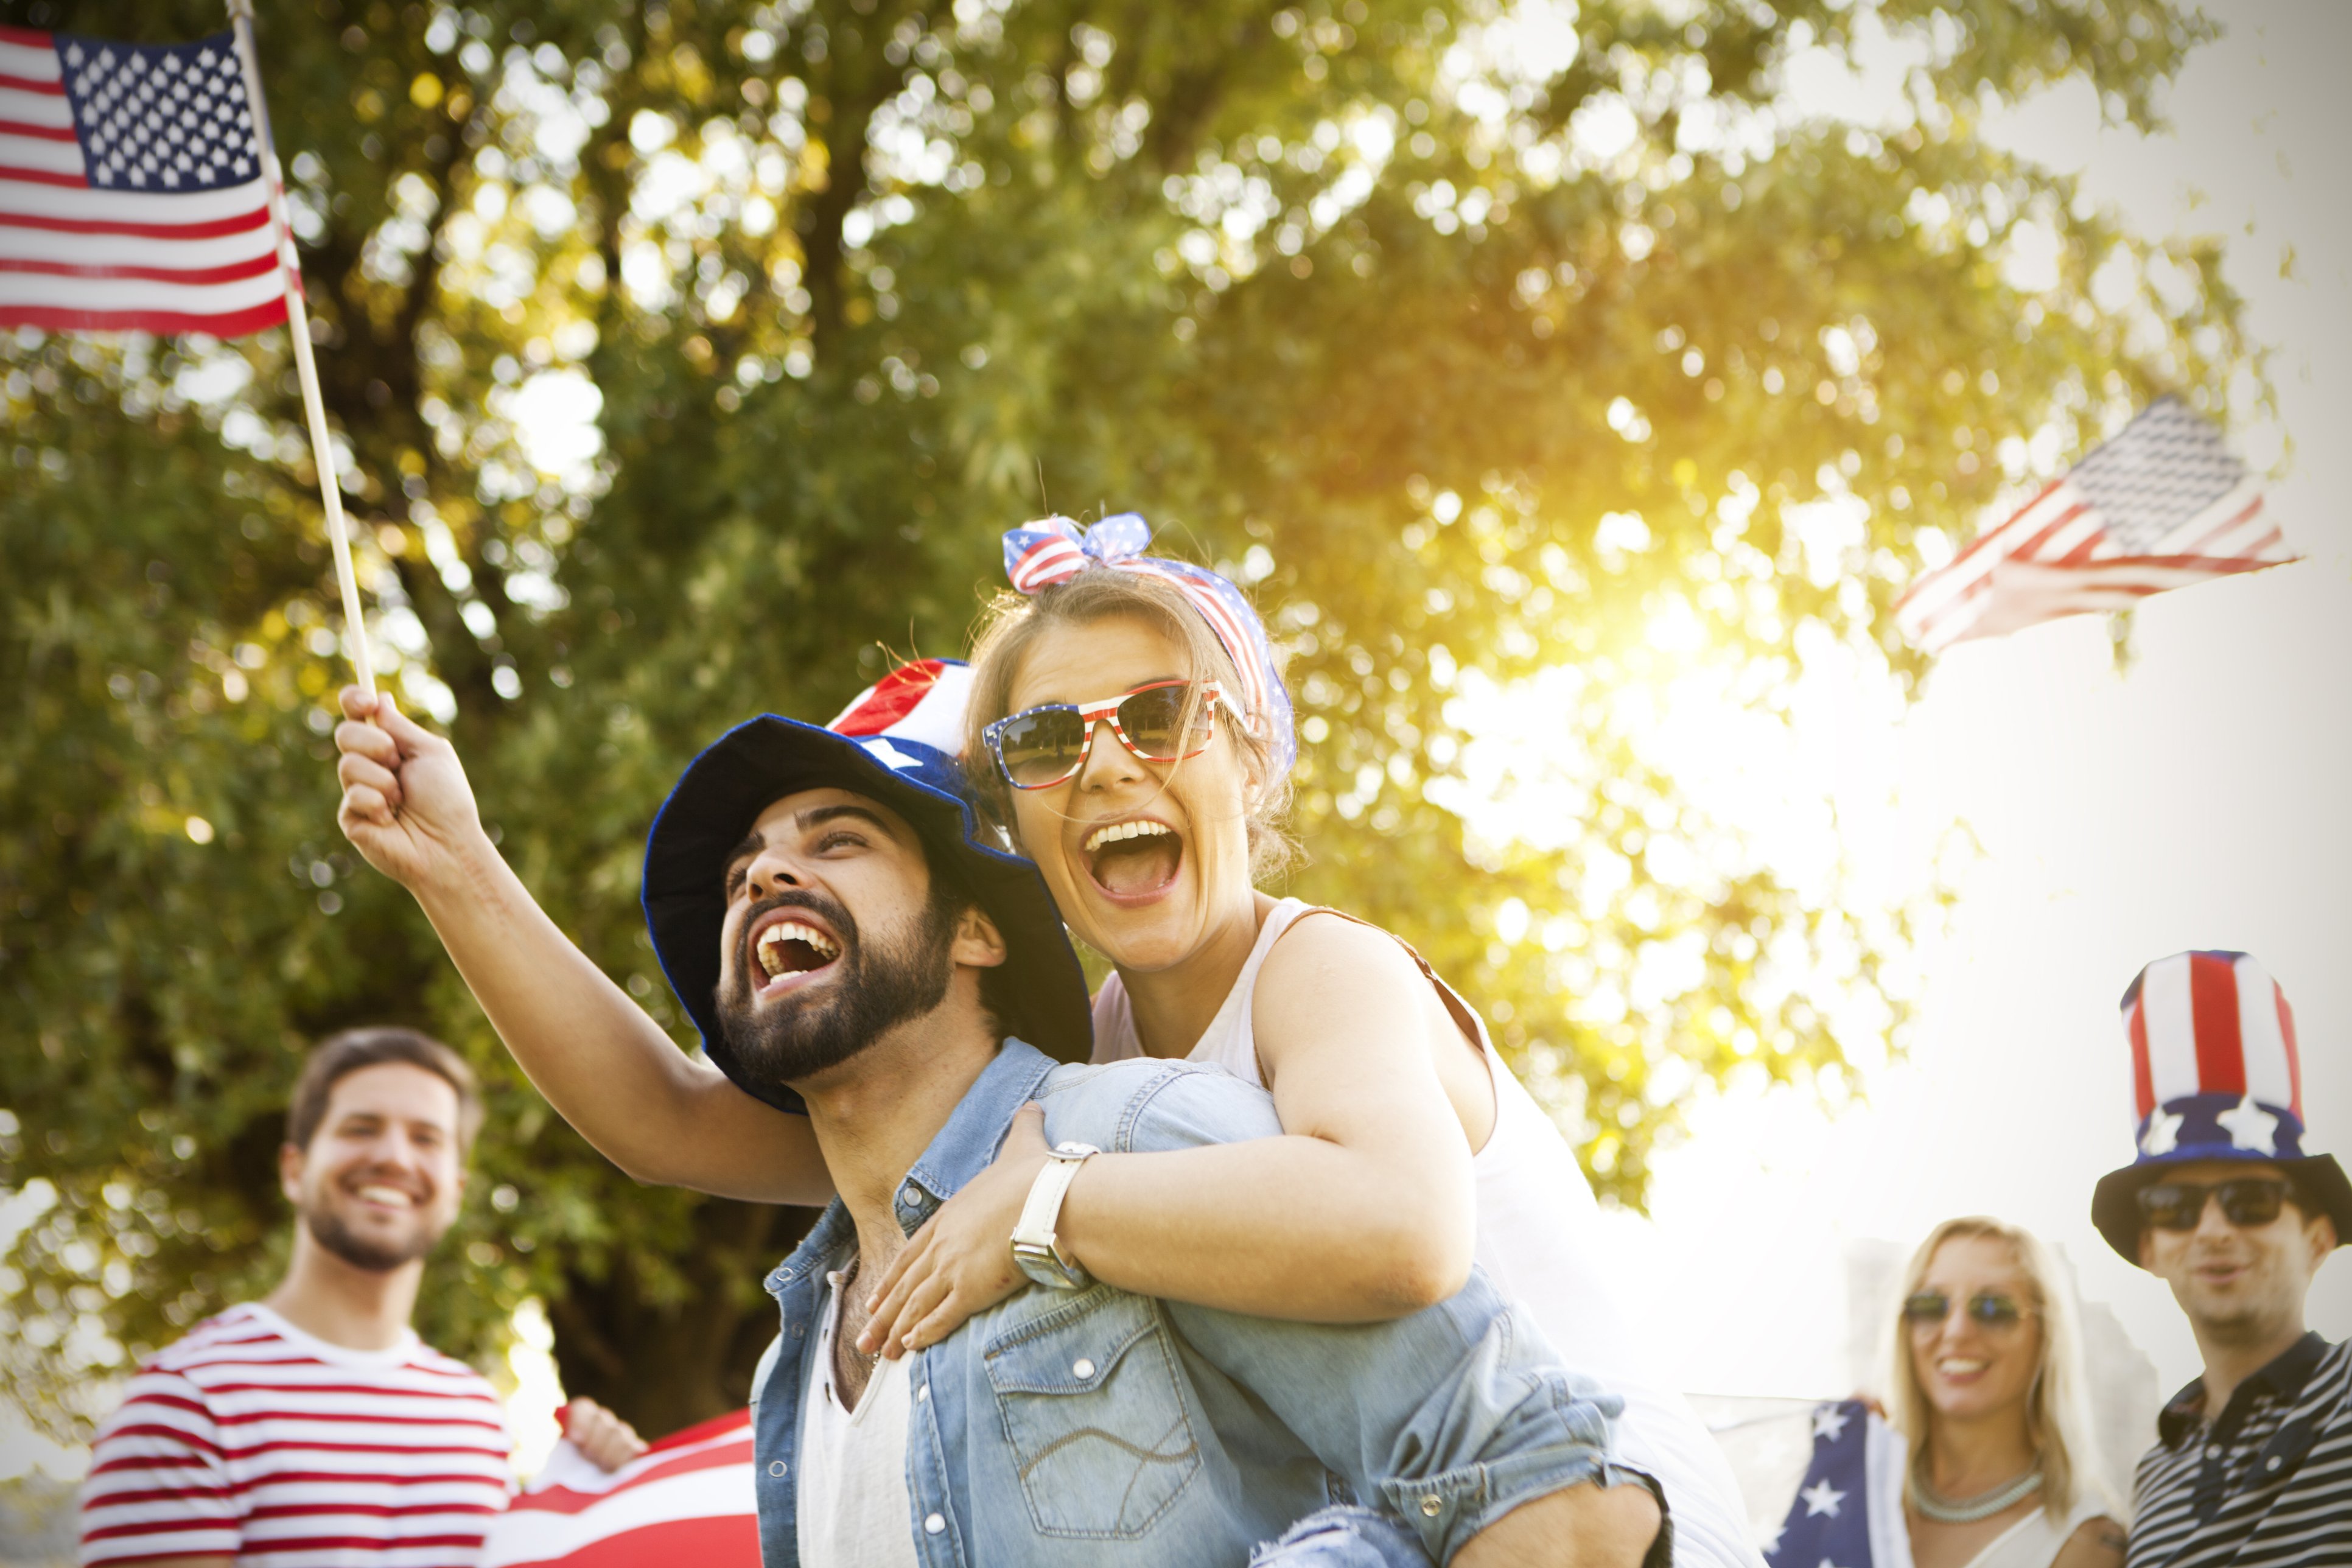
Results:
252 1439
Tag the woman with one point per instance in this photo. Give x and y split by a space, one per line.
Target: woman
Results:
1985 1385
1131 715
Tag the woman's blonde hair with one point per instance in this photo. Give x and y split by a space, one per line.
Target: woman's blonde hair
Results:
2057 1413
1011 624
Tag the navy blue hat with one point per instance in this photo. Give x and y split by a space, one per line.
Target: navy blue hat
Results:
2216 1076
898 744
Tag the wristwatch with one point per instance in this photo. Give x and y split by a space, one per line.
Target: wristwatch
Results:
1034 1249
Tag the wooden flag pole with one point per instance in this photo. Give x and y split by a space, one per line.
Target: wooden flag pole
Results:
298 324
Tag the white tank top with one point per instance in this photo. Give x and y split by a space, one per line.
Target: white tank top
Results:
1537 1220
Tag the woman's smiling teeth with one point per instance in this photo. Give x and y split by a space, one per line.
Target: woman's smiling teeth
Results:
1957 1366
1118 831
778 954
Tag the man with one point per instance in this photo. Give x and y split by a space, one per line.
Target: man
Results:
2253 1466
826 908
313 1427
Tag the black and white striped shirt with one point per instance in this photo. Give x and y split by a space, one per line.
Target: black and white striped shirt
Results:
2267 1484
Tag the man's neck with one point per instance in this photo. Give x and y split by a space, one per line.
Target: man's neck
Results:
875 1114
2232 1357
342 1303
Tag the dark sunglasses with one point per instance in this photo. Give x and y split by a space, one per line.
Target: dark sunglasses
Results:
2179 1205
1039 747
1990 1308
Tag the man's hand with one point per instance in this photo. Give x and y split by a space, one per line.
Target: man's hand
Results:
960 1260
608 1441
406 804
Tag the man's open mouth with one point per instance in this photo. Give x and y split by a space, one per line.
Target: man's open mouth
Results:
1136 859
789 948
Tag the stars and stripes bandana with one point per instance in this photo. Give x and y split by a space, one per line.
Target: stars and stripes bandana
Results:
687 1498
132 192
2163 505
1849 1512
1056 549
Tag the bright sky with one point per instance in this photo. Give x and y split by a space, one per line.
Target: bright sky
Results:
2197 801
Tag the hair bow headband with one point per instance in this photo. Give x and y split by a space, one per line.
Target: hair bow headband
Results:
1055 550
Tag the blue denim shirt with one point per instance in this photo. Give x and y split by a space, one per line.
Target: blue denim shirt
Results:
1098 1427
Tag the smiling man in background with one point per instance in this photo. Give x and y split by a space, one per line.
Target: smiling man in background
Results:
2253 1467
313 1427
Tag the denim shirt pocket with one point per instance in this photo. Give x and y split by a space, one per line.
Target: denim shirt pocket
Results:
1093 1408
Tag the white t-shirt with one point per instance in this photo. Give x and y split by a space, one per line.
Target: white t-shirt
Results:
1538 1243
854 1507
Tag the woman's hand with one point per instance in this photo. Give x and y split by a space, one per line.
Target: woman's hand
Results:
960 1260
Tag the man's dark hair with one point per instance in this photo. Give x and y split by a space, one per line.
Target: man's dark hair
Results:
352 1049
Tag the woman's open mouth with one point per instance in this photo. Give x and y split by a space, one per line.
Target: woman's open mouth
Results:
790 951
1136 861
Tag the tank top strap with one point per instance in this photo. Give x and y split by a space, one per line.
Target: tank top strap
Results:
1468 1022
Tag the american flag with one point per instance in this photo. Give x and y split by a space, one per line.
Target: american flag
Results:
687 1498
1849 1512
132 189
2163 505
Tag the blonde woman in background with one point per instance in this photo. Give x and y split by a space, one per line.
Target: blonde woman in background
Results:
1985 1385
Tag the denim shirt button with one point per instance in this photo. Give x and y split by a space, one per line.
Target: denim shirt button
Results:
933 1524
1430 1505
911 1195
775 1466
1082 1369
925 1393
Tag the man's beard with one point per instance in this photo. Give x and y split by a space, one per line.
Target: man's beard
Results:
328 1230
881 985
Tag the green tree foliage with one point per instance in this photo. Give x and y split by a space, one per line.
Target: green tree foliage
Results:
690 356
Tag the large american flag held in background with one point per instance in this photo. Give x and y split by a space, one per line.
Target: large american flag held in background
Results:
132 189
2162 505
690 1499
1849 1512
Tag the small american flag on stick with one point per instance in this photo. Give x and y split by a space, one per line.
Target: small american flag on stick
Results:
132 189
2163 505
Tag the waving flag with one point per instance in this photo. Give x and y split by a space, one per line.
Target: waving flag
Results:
1849 1512
133 195
687 1500
2161 506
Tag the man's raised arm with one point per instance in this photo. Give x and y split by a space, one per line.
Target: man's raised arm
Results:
606 1066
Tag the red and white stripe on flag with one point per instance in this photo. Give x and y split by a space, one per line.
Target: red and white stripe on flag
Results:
924 700
2163 505
687 1498
132 192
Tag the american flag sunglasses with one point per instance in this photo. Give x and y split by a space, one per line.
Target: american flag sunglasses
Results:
1043 746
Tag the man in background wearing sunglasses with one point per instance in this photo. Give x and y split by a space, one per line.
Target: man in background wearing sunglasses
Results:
2253 1467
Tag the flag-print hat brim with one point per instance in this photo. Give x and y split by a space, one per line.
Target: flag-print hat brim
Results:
2217 1076
724 791
2114 1202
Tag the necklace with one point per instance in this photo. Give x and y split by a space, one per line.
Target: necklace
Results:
1968 1511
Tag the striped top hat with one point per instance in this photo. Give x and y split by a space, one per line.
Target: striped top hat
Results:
2215 1076
897 744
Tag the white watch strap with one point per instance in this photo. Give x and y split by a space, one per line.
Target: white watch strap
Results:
1040 1214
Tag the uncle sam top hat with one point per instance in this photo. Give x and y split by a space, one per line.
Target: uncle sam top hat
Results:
897 744
2215 1076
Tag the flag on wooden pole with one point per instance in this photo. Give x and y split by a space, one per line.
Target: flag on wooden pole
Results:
131 189
140 191
2163 505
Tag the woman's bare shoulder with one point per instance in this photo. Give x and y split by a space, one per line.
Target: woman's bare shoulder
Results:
2096 1543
